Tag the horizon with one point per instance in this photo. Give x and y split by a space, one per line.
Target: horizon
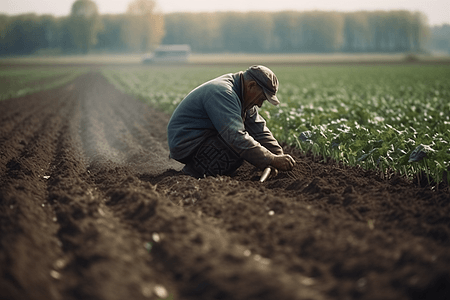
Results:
436 11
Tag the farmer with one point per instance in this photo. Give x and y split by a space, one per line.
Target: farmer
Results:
217 126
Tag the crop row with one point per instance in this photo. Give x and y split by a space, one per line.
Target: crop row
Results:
393 119
24 81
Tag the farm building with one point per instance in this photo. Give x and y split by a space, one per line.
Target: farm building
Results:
169 53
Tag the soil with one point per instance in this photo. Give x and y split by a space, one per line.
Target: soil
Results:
91 207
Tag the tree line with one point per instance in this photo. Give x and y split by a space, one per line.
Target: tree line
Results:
142 28
440 39
315 31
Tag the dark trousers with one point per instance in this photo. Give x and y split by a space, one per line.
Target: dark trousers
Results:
213 157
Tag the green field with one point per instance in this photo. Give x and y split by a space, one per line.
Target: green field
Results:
390 118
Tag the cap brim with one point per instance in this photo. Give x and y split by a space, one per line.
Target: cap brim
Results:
272 98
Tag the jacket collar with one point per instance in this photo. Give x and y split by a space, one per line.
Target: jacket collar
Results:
239 85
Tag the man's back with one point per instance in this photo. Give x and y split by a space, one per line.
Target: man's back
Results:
207 110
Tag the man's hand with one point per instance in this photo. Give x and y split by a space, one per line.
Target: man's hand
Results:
283 162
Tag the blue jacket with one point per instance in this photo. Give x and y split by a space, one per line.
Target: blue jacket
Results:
216 107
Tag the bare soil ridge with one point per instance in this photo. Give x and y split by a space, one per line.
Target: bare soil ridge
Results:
92 208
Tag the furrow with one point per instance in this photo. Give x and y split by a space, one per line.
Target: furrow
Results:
146 141
13 112
24 210
17 140
102 258
111 130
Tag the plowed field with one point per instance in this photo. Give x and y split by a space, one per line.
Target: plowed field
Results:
91 207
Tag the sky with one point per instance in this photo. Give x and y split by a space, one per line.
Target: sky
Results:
437 11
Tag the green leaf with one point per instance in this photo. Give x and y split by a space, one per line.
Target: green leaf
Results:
420 153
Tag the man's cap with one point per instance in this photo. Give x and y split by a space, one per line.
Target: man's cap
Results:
267 80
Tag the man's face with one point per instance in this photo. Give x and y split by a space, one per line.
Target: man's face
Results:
253 95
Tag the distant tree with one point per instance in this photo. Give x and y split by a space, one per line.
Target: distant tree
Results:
200 30
258 28
246 32
421 32
144 28
440 38
321 31
233 32
378 30
4 21
111 38
286 33
209 38
4 24
356 32
51 31
67 42
22 35
84 24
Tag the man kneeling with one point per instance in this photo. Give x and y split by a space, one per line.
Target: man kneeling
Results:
217 126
